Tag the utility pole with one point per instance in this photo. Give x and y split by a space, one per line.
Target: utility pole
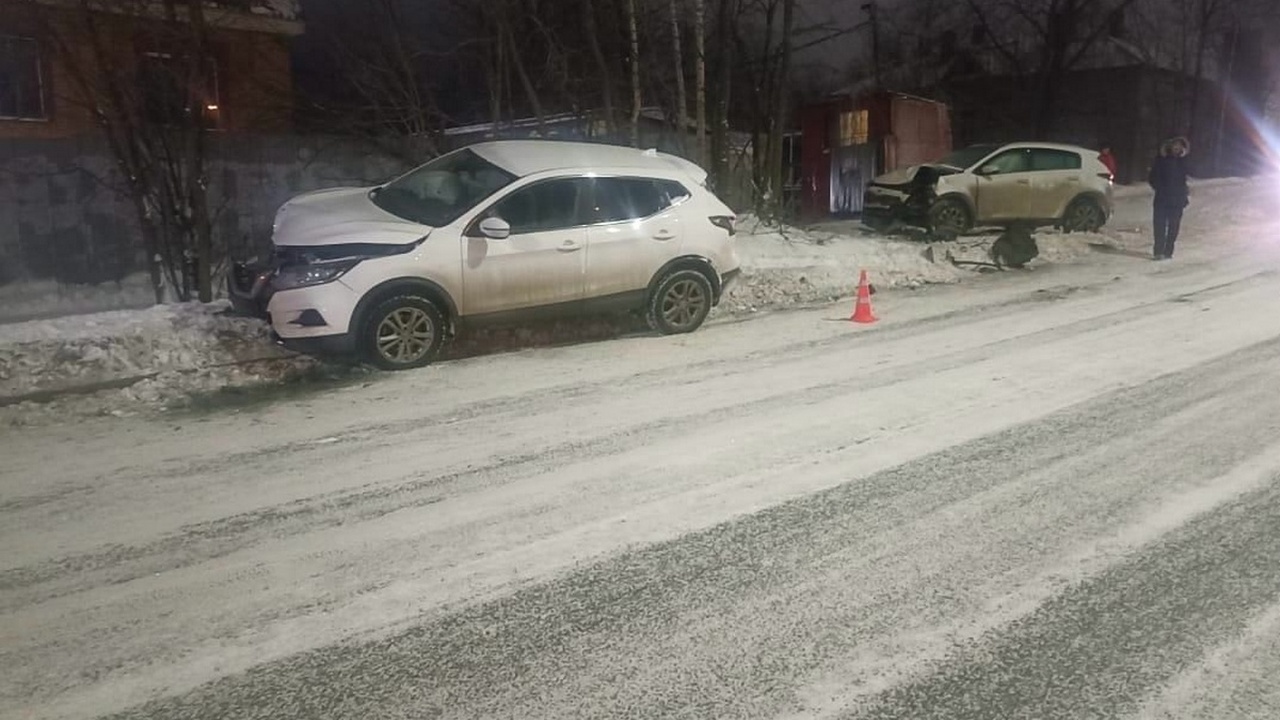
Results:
870 9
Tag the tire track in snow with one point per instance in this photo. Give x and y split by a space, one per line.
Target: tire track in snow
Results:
733 620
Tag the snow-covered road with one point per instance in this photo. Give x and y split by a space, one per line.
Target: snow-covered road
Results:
1055 495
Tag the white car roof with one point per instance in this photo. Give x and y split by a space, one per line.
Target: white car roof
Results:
1047 146
530 157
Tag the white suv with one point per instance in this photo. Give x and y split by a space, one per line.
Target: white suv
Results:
495 232
1016 184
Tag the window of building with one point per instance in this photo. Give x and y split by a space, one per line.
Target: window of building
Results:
167 96
21 79
855 128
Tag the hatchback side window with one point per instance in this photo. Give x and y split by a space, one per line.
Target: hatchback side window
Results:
620 199
1045 160
550 205
1012 161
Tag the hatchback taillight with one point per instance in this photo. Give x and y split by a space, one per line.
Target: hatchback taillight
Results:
725 222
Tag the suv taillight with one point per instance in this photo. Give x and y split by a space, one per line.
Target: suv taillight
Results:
725 222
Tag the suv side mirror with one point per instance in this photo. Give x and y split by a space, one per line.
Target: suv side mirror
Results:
985 171
495 228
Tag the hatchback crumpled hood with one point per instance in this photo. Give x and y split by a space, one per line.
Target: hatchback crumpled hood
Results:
340 216
901 176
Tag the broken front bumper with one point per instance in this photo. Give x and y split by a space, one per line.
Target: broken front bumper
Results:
883 207
249 288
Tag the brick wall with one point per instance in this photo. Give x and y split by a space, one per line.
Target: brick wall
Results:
61 217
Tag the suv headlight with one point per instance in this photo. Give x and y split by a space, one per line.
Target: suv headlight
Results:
291 277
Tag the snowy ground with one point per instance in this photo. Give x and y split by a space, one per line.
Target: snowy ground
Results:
1050 494
156 358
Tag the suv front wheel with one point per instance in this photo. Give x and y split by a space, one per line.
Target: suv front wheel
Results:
949 218
402 332
680 303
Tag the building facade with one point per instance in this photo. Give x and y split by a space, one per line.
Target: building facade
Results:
49 50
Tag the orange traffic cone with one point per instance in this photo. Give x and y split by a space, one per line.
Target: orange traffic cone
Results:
862 312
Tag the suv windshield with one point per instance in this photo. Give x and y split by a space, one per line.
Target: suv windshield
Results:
964 159
439 192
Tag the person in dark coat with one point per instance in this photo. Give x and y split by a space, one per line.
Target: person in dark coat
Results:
1168 178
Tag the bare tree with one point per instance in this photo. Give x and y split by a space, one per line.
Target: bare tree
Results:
682 99
389 68
700 74
601 64
781 107
637 98
1044 40
154 113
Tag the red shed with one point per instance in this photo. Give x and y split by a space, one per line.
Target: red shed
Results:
847 141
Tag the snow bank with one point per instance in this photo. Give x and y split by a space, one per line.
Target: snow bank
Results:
127 346
785 266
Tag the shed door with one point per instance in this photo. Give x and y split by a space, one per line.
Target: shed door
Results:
853 162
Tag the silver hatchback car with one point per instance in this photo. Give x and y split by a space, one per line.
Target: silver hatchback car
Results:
1025 184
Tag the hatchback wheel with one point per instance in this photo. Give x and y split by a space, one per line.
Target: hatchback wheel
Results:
949 218
681 302
1083 215
403 332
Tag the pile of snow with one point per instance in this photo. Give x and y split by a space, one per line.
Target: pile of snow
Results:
124 346
784 266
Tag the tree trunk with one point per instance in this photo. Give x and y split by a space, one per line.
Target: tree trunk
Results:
700 73
726 13
766 89
1207 10
196 190
682 100
522 73
782 93
637 100
602 65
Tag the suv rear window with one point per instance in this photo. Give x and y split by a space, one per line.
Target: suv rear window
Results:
620 199
1043 160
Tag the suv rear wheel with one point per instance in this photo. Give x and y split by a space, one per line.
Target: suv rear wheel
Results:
1083 215
402 332
681 302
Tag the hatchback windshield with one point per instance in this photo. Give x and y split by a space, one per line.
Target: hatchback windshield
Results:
439 192
964 159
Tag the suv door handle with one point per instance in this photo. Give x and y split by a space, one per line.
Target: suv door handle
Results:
1024 182
569 246
663 235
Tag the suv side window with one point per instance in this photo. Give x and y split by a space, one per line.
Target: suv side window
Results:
1008 162
620 199
543 206
1046 160
675 191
